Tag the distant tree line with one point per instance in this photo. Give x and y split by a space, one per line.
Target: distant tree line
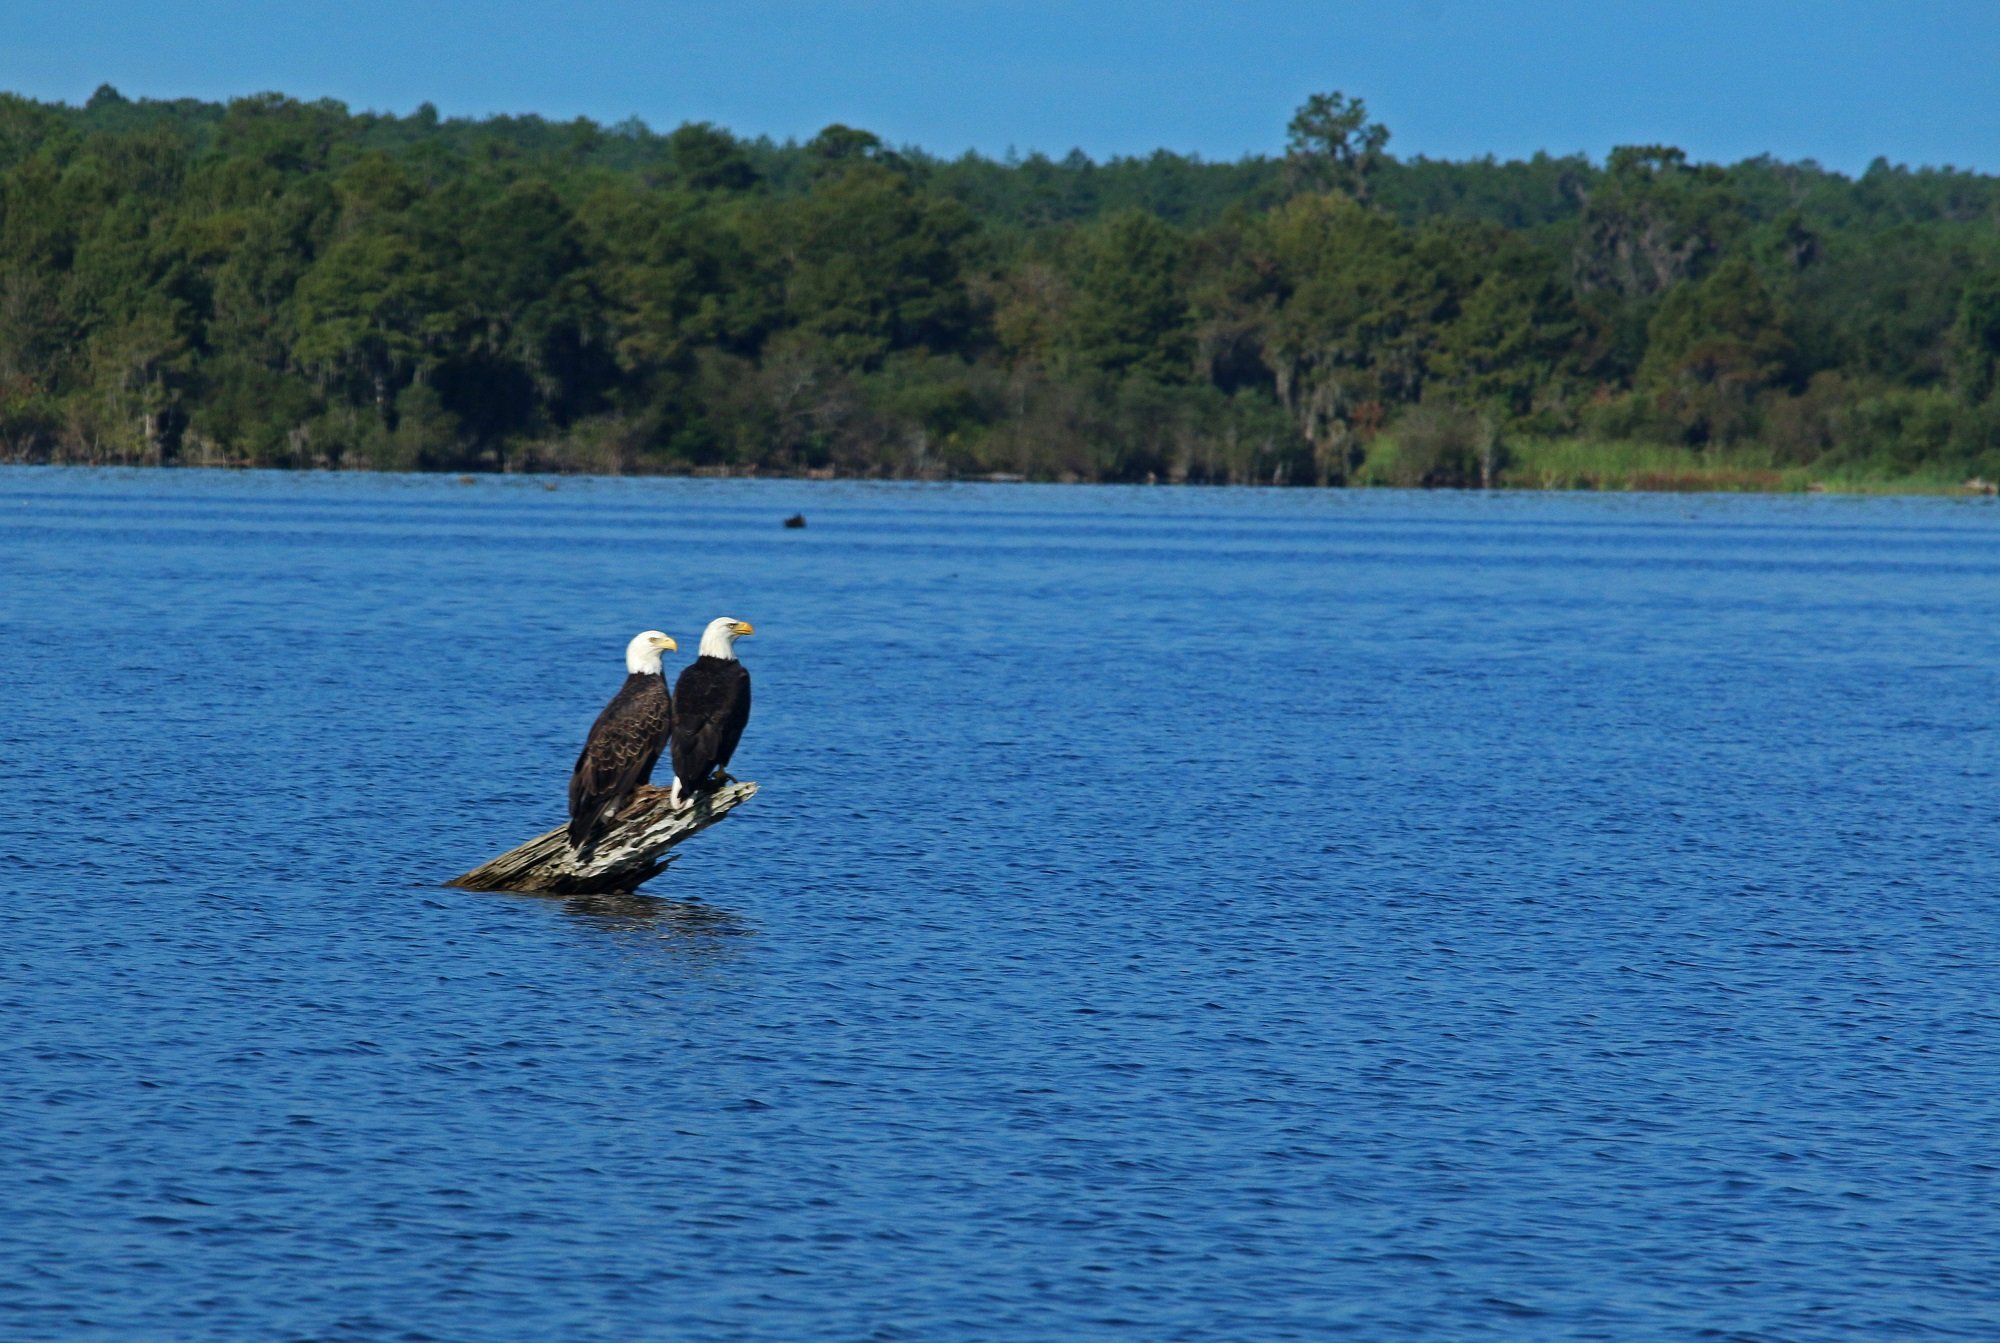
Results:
272 282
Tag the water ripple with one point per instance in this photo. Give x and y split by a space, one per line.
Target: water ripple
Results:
1170 914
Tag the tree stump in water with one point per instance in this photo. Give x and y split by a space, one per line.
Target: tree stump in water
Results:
631 850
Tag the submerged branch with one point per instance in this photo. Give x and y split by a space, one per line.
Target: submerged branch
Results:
632 851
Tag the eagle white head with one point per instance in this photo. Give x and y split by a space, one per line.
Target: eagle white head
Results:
642 655
719 639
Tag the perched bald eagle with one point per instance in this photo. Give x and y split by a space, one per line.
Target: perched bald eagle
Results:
625 741
713 699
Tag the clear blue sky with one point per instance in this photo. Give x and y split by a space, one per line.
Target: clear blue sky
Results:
1841 81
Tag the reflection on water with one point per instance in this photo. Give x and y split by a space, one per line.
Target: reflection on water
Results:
688 927
677 918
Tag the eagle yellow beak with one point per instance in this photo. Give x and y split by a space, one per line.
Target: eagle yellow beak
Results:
743 627
666 642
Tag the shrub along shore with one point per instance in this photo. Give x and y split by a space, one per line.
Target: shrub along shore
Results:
282 284
1553 464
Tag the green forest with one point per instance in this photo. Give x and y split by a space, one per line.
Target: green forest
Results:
271 282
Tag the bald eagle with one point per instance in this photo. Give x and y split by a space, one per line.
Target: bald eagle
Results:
713 695
624 742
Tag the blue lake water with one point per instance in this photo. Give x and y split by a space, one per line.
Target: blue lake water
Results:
1168 915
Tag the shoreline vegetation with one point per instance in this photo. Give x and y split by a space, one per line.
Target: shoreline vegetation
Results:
282 284
1550 467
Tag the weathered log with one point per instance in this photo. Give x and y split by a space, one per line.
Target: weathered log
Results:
631 852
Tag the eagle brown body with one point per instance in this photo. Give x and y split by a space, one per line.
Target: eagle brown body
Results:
623 746
712 705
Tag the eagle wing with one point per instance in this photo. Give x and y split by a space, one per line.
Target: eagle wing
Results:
734 720
619 754
714 705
